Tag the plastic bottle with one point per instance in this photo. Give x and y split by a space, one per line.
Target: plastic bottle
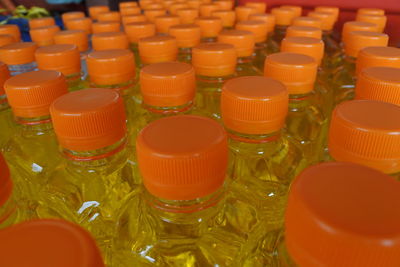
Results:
271 46
133 18
210 27
183 161
64 58
344 76
41 243
243 12
41 22
306 125
211 74
263 161
243 41
187 15
32 151
115 69
228 17
72 15
187 36
109 41
19 57
43 36
6 119
374 140
379 83
109 16
156 49
94 177
163 23
95 10
135 32
106 26
284 17
359 195
260 30
9 212
78 38
11 29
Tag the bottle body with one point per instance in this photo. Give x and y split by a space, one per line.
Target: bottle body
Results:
245 67
6 123
344 80
22 68
307 126
10 213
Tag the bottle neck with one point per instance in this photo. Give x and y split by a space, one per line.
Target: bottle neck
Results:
185 211
169 110
209 79
185 51
124 88
245 60
208 39
297 102
254 138
37 125
106 156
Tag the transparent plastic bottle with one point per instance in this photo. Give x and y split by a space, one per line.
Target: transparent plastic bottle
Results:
10 213
64 58
32 152
115 69
43 36
243 12
164 22
109 41
228 17
78 38
210 27
315 225
12 30
19 57
259 29
187 36
136 31
271 46
374 140
157 49
95 10
48 243
284 18
6 120
379 83
306 125
187 15
344 76
183 161
94 177
41 22
243 41
263 161
211 75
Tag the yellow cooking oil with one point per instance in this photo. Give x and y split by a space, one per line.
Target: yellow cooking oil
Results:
187 36
244 43
306 124
311 210
283 19
179 218
214 64
373 128
270 46
344 76
10 212
64 58
263 161
6 119
115 69
94 178
32 151
259 29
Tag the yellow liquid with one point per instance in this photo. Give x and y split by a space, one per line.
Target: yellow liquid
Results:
155 232
75 82
279 34
138 63
262 50
11 213
324 93
332 47
208 95
307 126
262 168
344 80
90 191
185 55
32 154
7 127
245 67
